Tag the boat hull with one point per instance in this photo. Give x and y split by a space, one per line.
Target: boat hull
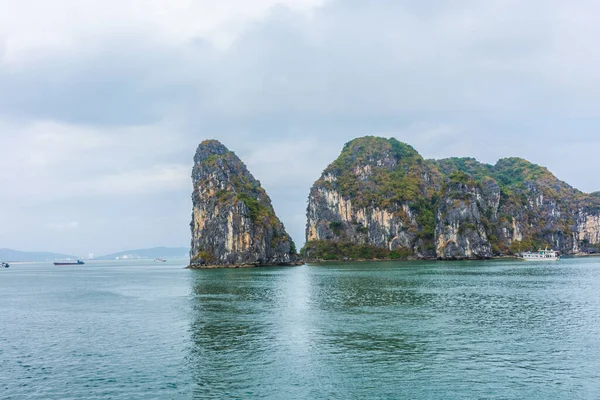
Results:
69 263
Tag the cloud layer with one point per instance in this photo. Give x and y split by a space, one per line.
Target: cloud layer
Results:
102 104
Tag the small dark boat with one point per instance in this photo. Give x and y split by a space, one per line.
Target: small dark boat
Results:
78 262
5 264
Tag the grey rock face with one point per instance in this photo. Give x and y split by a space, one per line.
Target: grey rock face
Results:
333 217
233 221
460 229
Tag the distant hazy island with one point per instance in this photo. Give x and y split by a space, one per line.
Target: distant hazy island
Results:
31 256
381 200
154 252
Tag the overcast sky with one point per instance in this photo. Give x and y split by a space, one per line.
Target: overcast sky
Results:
103 102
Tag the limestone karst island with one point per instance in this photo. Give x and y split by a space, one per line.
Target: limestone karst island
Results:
233 221
381 200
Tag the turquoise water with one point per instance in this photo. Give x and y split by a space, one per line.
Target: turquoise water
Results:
415 330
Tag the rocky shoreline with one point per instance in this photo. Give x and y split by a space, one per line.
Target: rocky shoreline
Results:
215 266
360 260
586 255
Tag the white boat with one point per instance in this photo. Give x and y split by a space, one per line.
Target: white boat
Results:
160 260
541 255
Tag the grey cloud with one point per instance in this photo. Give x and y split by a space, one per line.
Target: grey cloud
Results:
115 81
482 79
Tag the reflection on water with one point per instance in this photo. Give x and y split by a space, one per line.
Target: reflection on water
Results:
414 330
397 330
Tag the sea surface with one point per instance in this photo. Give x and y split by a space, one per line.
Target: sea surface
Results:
390 330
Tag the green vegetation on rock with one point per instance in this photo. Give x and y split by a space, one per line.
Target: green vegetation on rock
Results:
327 250
392 198
398 179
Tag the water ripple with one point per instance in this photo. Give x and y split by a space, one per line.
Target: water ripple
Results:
419 330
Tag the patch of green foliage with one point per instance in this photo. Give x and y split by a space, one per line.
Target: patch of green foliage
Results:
530 244
509 173
212 159
253 205
400 254
293 250
203 256
362 229
336 250
515 171
223 195
469 166
398 179
466 227
425 216
463 178
336 227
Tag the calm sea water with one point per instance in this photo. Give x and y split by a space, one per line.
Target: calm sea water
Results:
414 330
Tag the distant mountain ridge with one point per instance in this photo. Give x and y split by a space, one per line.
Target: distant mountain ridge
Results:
40 256
154 252
31 256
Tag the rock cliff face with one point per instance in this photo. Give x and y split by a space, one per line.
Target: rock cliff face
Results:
380 199
233 221
373 201
535 209
460 230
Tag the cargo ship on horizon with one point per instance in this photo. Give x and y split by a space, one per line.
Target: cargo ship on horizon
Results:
78 262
